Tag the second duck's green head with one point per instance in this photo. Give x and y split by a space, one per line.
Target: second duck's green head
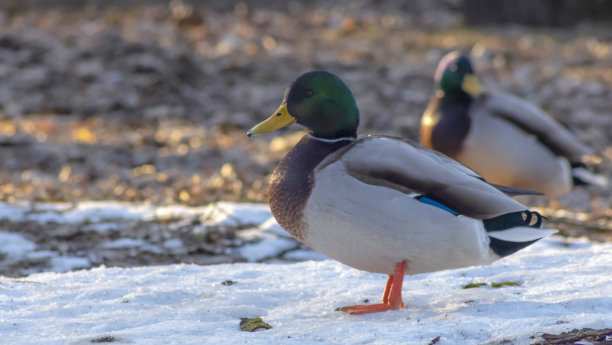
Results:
455 75
319 101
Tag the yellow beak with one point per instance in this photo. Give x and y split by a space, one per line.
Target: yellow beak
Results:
471 85
279 119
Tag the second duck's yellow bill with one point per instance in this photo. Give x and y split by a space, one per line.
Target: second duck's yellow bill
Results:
279 119
471 85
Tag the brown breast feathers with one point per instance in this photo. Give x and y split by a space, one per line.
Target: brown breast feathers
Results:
293 179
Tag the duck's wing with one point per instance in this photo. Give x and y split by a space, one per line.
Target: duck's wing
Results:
513 191
411 168
535 121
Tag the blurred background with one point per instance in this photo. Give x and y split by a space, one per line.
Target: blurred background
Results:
149 101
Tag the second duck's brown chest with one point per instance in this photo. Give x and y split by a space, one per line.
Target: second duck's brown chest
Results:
451 123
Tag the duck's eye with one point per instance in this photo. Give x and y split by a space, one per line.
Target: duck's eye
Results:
308 93
454 68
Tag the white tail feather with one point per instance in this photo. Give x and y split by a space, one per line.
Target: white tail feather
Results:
521 234
590 178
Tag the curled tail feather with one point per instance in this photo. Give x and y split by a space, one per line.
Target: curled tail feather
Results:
514 231
582 176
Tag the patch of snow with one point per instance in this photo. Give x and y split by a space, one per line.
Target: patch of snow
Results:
174 211
268 229
249 235
13 247
101 227
304 255
221 213
68 263
83 212
266 248
40 256
131 243
174 243
230 214
151 248
562 288
45 217
97 211
11 212
56 206
271 226
124 243
94 211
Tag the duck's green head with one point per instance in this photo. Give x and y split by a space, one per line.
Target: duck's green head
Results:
319 101
455 75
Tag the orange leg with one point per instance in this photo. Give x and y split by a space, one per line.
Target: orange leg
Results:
387 289
392 297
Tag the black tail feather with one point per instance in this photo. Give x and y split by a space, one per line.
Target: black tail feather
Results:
507 221
505 248
514 219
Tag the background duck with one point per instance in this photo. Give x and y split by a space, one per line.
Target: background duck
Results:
383 204
507 140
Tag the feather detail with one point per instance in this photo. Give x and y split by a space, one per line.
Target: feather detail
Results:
513 191
521 234
426 200
411 168
581 175
536 122
514 231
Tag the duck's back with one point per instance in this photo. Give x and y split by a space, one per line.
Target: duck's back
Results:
505 154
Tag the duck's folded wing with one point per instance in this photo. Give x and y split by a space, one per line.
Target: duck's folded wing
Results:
533 120
411 168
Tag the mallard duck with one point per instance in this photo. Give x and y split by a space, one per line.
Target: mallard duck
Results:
383 204
507 140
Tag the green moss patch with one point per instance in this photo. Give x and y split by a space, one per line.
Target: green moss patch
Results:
493 285
253 324
473 285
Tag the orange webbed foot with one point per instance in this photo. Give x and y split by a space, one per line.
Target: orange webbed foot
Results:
368 309
392 297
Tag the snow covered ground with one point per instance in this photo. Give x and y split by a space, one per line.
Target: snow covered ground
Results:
64 237
562 285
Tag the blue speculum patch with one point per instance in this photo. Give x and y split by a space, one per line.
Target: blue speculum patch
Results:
437 204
